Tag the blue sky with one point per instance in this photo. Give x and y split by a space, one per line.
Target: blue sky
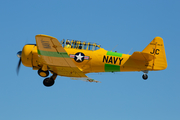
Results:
128 24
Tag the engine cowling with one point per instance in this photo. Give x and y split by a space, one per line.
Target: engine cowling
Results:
29 56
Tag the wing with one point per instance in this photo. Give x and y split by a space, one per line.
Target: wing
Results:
53 55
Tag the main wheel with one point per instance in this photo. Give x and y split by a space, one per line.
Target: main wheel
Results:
48 82
43 73
145 76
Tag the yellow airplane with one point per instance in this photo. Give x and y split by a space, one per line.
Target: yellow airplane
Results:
74 59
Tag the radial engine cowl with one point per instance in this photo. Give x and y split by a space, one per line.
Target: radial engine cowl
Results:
27 55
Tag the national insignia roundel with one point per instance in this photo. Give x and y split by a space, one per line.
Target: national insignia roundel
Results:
79 57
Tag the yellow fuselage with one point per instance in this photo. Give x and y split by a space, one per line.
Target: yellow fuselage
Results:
98 60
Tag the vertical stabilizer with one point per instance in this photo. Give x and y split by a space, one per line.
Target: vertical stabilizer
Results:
156 48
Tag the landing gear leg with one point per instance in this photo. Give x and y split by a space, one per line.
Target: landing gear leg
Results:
50 81
145 76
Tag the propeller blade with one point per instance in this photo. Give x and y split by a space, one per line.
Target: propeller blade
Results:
18 67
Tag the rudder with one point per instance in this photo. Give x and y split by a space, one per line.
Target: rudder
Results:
156 48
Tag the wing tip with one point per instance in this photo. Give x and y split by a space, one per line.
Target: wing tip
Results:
43 35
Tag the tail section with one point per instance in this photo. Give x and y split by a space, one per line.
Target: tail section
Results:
156 48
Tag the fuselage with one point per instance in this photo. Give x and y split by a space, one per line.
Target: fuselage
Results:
89 58
89 61
99 60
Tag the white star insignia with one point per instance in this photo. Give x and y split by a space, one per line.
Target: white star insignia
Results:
79 57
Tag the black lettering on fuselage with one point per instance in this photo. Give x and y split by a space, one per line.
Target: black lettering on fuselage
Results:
120 60
115 60
112 59
105 58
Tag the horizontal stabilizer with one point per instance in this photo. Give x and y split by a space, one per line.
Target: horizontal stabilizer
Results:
142 56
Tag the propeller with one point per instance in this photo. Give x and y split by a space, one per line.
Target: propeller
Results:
19 63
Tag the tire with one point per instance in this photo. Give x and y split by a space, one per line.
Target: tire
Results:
48 82
145 76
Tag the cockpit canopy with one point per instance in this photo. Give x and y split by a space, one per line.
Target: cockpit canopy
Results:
76 44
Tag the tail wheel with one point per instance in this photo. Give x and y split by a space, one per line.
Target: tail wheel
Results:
145 76
48 82
43 73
